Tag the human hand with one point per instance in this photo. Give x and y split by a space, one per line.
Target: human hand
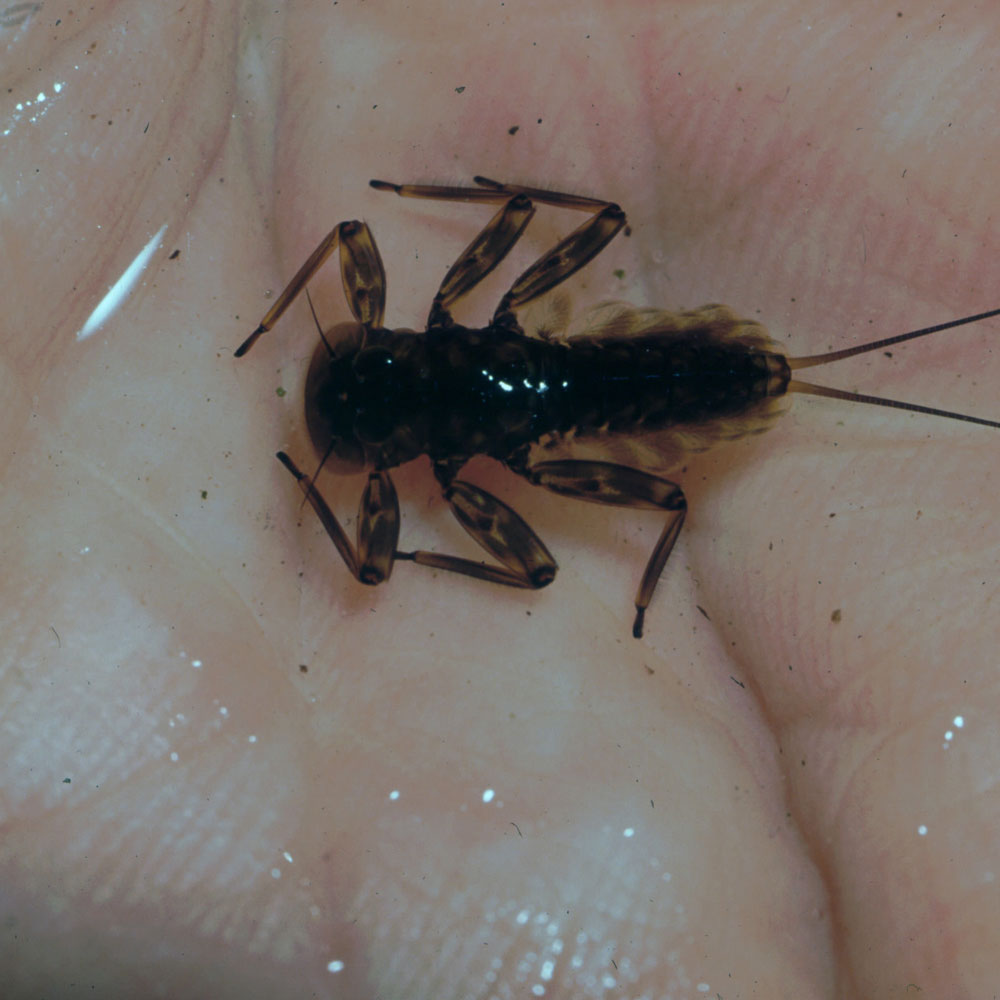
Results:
229 828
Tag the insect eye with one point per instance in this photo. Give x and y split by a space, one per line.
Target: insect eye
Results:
372 362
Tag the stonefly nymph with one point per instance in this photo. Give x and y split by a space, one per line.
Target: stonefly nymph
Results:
578 411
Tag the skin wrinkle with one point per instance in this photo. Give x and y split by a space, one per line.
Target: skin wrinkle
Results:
777 187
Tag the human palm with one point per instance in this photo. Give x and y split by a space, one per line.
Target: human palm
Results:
230 768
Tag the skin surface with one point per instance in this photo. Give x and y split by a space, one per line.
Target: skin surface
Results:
227 767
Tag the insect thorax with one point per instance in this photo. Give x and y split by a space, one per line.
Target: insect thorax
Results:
455 392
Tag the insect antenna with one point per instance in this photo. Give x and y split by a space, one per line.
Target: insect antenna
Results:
329 451
808 361
288 464
319 329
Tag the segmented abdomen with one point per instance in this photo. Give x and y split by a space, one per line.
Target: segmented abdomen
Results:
665 383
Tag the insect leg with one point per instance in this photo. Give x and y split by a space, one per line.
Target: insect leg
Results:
503 231
564 259
361 271
485 251
620 486
497 528
378 524
481 256
491 191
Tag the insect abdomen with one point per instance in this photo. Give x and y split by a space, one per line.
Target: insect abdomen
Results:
704 373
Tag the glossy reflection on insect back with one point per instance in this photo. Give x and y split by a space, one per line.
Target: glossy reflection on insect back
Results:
597 412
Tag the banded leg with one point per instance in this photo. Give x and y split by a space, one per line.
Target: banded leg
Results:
500 530
620 486
378 524
501 233
361 271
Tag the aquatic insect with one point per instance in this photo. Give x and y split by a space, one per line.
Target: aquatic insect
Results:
576 414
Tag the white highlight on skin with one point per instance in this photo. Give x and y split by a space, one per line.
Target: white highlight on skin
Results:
586 962
488 795
119 291
922 830
958 722
197 664
394 795
335 966
31 111
542 950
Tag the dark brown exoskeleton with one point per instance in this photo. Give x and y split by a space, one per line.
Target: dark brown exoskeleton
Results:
377 397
